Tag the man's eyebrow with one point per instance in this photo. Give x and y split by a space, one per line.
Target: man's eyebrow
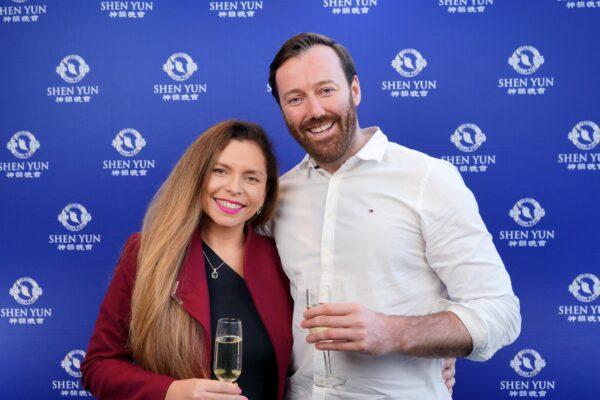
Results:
325 81
290 92
320 83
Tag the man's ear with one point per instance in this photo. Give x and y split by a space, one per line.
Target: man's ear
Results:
355 90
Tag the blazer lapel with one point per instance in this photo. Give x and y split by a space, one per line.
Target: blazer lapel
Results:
267 292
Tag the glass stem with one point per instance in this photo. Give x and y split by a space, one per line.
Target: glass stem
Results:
327 359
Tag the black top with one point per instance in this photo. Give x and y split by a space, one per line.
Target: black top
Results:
230 298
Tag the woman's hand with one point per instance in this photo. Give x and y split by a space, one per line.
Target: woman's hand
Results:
203 389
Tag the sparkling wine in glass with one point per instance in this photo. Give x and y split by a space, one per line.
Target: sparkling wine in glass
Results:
228 350
312 302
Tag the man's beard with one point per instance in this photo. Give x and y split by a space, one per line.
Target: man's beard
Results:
334 148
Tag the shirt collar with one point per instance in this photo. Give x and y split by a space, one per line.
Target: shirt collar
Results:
374 149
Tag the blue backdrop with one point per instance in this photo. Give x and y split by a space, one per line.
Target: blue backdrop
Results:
100 98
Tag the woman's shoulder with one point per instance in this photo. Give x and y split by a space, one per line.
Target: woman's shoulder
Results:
131 248
132 244
127 264
264 242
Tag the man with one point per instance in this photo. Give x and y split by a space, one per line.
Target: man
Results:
388 238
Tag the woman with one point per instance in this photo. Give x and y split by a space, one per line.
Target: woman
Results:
198 259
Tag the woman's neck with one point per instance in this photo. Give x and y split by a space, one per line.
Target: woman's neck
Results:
222 239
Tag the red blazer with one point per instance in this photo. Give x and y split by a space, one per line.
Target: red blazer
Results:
108 369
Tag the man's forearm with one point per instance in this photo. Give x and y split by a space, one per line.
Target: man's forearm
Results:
435 335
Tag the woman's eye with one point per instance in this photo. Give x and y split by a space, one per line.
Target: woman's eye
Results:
218 170
253 179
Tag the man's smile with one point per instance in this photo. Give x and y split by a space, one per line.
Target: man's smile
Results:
321 128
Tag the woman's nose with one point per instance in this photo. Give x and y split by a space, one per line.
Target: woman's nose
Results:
233 185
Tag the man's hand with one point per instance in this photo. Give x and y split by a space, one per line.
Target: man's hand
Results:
352 327
449 373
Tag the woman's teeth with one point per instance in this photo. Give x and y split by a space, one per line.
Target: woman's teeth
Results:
231 206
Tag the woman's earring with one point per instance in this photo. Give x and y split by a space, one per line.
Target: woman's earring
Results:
259 210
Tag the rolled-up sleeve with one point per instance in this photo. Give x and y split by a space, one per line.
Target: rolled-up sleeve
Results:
460 250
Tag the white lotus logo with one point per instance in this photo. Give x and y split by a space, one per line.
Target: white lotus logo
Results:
180 66
25 291
527 212
585 135
74 217
585 287
72 68
526 60
527 363
128 142
72 363
409 63
468 137
23 144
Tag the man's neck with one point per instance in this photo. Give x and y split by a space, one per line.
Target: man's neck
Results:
361 137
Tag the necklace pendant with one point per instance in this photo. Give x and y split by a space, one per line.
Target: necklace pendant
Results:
214 274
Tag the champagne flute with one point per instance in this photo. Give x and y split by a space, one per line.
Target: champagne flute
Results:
228 350
327 381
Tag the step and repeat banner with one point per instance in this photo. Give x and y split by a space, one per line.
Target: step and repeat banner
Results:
100 98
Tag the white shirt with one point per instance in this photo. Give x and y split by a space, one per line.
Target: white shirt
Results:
398 232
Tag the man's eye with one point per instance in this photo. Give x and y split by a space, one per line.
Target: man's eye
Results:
293 100
328 90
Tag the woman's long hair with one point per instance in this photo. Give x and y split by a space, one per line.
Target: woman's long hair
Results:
163 337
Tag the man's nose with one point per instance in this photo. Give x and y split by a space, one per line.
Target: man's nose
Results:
315 109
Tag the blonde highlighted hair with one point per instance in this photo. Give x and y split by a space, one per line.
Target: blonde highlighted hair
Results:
163 337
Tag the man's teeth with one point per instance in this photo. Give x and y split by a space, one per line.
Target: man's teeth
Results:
229 205
321 128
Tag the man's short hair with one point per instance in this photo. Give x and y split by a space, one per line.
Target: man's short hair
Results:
300 43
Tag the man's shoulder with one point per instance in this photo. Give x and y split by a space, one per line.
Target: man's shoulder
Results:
297 171
418 167
411 158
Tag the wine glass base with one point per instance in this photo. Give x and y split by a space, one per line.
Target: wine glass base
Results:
328 382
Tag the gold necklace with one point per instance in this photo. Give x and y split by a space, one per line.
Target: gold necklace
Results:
214 274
